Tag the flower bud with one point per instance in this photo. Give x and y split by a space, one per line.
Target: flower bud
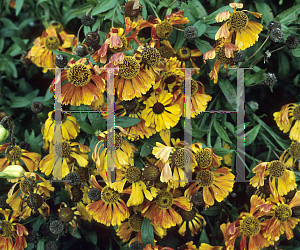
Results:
3 133
12 172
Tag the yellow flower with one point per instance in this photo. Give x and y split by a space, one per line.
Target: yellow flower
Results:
291 155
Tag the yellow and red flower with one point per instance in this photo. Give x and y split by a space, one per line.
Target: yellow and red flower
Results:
205 157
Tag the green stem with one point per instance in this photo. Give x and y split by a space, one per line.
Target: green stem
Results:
112 20
152 8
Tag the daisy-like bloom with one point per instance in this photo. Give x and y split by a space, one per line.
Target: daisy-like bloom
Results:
191 219
41 189
161 212
198 97
66 38
285 117
117 41
137 189
10 229
69 125
160 113
249 226
205 157
163 29
131 80
14 155
245 31
82 86
291 155
215 185
41 54
110 209
174 159
108 142
276 170
68 151
224 53
282 217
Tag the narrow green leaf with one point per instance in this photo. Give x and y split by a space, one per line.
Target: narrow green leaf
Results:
126 122
202 45
255 78
8 23
296 52
221 132
40 245
222 151
19 42
203 237
19 102
212 211
265 10
92 236
212 17
229 92
147 232
251 135
290 15
13 68
86 127
76 235
19 5
145 150
1 44
201 27
104 6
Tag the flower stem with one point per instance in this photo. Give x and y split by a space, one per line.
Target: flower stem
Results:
78 34
152 8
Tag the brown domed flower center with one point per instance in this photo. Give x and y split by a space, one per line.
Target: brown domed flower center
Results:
193 88
113 141
52 42
123 47
63 149
158 108
151 173
14 154
129 11
238 20
150 57
166 52
79 75
296 113
295 149
250 226
63 116
276 169
83 173
181 157
109 195
164 200
204 158
188 215
283 212
133 174
135 222
129 68
66 214
6 228
205 178
164 29
183 54
35 202
169 77
57 26
220 52
130 105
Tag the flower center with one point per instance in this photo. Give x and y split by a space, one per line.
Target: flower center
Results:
14 154
129 68
169 77
58 26
124 45
129 11
113 141
151 173
193 88
166 52
220 52
76 193
181 157
52 42
164 200
276 168
150 56
36 201
130 105
62 149
6 228
135 222
63 116
109 195
205 178
250 226
164 29
158 108
133 174
204 158
188 215
79 75
83 173
283 212
24 185
183 54
66 214
296 113
295 149
239 20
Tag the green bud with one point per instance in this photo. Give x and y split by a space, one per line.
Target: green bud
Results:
3 133
12 172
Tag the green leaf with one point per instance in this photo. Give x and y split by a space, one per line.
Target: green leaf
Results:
212 17
221 132
37 223
147 232
19 102
126 122
103 6
33 141
265 10
288 16
40 245
92 236
197 9
8 23
251 135
145 150
76 235
86 127
68 55
229 92
222 151
201 27
203 237
212 211
19 42
255 78
283 66
211 31
19 5
1 44
296 52
13 69
30 246
203 46
98 123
